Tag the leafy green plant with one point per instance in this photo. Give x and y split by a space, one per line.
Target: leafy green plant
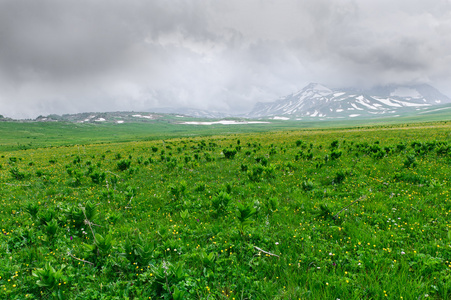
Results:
32 208
220 202
90 211
123 165
229 153
166 277
325 212
207 259
410 161
334 144
179 190
97 177
308 185
273 204
16 173
335 154
49 277
138 250
245 212
77 178
339 177
100 249
52 227
75 216
45 216
200 187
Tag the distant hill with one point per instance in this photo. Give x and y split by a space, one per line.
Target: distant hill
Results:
100 117
132 117
319 101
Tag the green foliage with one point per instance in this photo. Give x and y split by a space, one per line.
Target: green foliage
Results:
325 212
77 178
335 154
334 145
229 153
138 251
123 165
260 172
244 214
273 203
49 277
51 227
207 259
410 161
75 216
90 211
167 276
97 177
410 178
45 216
339 177
16 173
100 249
200 187
220 202
308 185
32 208
178 190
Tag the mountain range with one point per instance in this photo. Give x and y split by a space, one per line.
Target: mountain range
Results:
313 102
318 101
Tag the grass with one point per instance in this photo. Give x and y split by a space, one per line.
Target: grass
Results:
178 219
32 135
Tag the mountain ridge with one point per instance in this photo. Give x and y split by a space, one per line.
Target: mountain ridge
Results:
316 100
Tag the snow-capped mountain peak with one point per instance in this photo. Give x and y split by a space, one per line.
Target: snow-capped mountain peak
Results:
317 100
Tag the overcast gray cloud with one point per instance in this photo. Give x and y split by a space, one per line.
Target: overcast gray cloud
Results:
73 56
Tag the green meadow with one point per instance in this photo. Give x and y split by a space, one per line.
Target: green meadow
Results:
167 211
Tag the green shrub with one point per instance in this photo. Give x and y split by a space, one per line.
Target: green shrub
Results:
244 215
97 177
335 154
229 153
123 165
16 173
334 144
339 177
308 185
220 202
410 161
49 277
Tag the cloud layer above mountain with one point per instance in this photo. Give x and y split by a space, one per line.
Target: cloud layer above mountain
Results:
72 56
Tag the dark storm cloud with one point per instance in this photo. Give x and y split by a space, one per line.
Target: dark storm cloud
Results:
78 38
70 56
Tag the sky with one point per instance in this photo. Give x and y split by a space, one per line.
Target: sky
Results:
60 57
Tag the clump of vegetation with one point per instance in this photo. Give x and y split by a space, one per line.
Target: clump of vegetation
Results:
308 185
16 173
410 161
123 164
229 153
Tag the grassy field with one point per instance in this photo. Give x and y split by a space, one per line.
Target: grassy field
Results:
32 135
347 213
